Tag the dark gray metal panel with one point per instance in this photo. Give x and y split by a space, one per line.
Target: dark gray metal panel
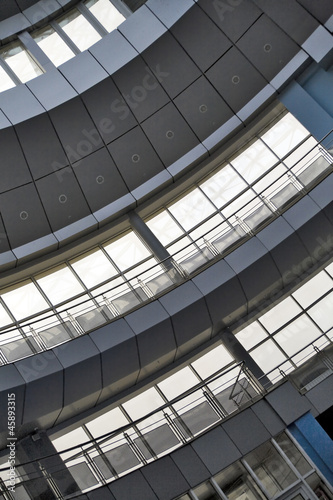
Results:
268 417
102 493
168 13
132 486
321 395
99 179
51 89
288 403
41 405
142 28
206 43
8 9
41 146
152 322
113 51
83 71
246 431
165 479
256 270
42 10
13 25
74 357
317 237
75 129
23 215
203 108
62 198
235 79
190 465
111 114
11 382
223 293
233 18
298 31
301 212
216 450
169 134
120 358
190 317
323 193
267 47
322 9
14 169
140 89
26 104
135 158
180 68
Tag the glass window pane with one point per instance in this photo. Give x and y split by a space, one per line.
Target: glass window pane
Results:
298 158
254 161
106 13
322 313
110 421
297 335
60 285
143 404
192 209
270 468
268 356
239 204
237 484
206 492
127 251
5 319
271 180
70 439
178 383
285 135
223 186
25 300
293 454
5 81
79 30
212 361
251 335
53 45
164 227
313 289
208 229
280 314
94 268
20 62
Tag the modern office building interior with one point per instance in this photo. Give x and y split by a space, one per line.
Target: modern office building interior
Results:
166 239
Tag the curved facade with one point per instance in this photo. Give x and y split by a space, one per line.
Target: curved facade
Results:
166 247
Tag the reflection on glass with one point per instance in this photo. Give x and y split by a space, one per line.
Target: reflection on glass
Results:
60 285
106 13
268 356
24 300
178 383
270 468
237 484
53 45
20 62
164 227
94 268
251 335
293 454
127 251
206 492
297 335
5 81
285 135
254 161
223 186
79 30
280 314
192 209
313 289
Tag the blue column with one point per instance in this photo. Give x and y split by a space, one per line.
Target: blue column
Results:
315 442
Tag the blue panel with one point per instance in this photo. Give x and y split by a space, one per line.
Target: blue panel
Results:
315 442
318 87
307 110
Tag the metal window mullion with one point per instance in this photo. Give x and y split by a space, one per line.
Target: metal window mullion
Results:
218 489
122 8
81 7
255 478
65 37
10 72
